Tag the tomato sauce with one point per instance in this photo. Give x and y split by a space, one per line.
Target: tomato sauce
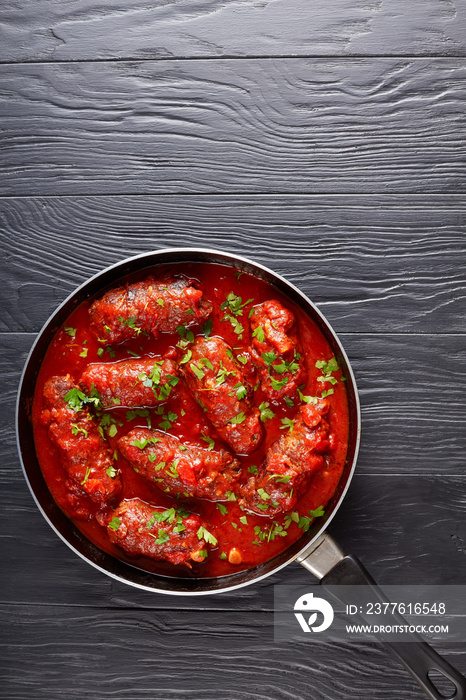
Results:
258 538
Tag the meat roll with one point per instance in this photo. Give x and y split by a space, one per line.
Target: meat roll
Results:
151 306
131 383
275 350
180 469
173 535
85 455
218 384
289 464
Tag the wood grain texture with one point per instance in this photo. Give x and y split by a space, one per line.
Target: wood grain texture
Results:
290 126
86 29
346 175
139 655
375 264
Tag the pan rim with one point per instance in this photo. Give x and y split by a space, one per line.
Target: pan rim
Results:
233 260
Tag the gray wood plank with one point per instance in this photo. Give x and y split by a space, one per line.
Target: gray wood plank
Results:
81 29
372 263
139 655
290 126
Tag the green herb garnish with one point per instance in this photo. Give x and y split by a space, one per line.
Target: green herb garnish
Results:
114 523
259 334
265 411
202 533
287 423
240 418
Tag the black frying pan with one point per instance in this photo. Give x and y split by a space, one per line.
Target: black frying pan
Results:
315 550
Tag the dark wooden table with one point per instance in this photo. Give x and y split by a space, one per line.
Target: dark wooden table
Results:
325 140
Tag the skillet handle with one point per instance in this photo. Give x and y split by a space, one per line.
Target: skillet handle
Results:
328 563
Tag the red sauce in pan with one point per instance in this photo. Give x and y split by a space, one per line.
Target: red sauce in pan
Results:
256 537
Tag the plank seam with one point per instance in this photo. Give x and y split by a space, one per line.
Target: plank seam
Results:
233 57
241 193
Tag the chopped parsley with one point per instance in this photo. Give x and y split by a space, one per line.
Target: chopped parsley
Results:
71 331
186 357
265 411
112 430
160 302
186 336
171 515
269 357
76 429
76 399
329 392
111 472
106 420
287 423
253 469
239 418
238 327
159 466
206 363
307 399
154 381
208 440
202 533
241 391
139 412
259 334
130 323
114 523
143 443
304 521
163 537
172 471
169 419
289 402
223 509
278 384
327 369
223 374
235 304
200 374
281 478
231 496
207 328
86 476
274 530
223 555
